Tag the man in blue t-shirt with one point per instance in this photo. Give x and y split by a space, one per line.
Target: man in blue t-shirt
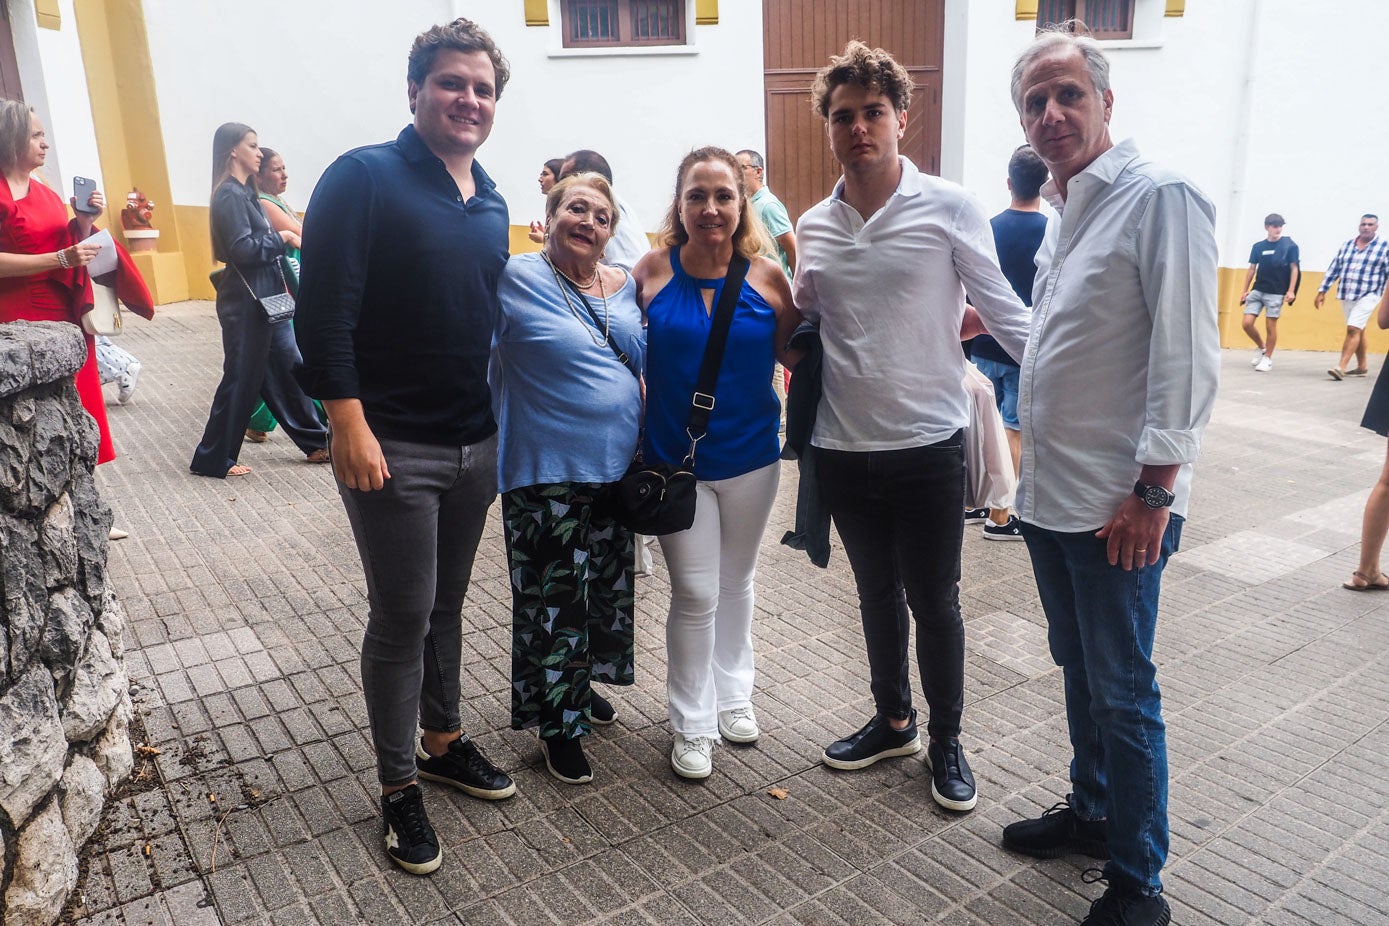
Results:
1270 283
1018 232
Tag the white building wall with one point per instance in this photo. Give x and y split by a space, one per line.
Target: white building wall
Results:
315 86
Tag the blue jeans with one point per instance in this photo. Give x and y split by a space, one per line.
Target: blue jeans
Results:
1004 376
1100 626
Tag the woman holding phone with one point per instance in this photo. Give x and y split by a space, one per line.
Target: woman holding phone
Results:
41 254
259 354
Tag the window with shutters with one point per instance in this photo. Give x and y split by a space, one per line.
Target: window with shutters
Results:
1106 19
618 23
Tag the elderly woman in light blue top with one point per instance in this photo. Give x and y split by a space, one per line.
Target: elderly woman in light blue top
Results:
569 348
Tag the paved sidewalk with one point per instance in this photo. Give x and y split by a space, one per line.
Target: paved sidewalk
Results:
246 610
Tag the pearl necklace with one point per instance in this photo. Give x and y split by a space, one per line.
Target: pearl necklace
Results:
564 291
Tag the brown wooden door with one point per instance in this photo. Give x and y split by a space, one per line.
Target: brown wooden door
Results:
798 38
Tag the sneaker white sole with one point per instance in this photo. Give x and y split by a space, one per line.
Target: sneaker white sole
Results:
419 868
732 737
945 801
1006 537
910 749
581 780
697 774
482 793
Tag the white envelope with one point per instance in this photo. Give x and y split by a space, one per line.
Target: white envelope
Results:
105 260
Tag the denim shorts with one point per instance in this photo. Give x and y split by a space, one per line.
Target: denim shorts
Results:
1271 303
1004 376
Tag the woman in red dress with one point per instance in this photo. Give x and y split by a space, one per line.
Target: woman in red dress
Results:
40 262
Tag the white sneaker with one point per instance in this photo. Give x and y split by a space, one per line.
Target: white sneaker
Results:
739 725
1264 365
126 387
1258 358
692 756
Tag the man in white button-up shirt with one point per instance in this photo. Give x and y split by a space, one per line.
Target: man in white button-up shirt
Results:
883 268
1117 385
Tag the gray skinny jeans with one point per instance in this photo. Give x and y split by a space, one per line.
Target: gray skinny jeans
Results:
417 537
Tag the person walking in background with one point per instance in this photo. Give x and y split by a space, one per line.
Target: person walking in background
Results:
404 244
117 365
259 355
549 176
1018 232
1368 576
1118 382
1270 284
769 209
1362 266
569 410
710 226
883 267
272 179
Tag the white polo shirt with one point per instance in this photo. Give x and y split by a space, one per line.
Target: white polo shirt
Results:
889 295
1124 359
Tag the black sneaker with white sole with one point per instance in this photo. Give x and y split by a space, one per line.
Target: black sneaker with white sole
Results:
466 768
952 783
1006 531
976 515
875 740
410 840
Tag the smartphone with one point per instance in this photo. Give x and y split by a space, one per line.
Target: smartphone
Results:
82 190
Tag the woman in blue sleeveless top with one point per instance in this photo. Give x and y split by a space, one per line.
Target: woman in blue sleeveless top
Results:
709 628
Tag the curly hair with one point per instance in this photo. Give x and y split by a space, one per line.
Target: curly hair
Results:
750 238
867 67
460 35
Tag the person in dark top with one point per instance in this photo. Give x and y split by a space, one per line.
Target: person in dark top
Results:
404 244
1270 284
259 355
1018 232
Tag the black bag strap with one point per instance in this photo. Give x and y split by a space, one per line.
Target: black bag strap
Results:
702 402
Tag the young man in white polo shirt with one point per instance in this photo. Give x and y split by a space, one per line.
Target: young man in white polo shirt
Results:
883 267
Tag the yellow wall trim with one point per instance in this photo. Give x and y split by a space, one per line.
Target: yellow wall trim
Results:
48 14
1026 9
1176 7
1300 327
537 12
706 12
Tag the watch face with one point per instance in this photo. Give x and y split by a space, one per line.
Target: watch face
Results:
1156 497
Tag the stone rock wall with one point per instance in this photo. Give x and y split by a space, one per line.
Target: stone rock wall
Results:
64 693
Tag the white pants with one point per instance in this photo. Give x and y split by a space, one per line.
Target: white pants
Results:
709 628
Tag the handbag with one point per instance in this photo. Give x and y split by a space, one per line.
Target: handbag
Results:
659 498
278 307
104 317
991 482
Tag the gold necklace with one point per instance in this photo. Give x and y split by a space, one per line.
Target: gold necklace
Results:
564 291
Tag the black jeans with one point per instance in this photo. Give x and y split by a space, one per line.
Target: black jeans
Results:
900 514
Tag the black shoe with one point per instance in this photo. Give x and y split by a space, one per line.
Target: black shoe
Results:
1056 833
976 515
601 709
566 760
877 740
952 783
410 840
467 769
1125 905
1008 530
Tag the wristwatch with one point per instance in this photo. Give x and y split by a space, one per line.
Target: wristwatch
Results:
1153 496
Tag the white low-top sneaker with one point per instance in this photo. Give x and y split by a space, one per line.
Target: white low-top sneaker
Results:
692 756
739 725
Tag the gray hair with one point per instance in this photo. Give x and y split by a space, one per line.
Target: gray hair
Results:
1062 36
754 158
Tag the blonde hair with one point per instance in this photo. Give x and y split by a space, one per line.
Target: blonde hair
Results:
555 198
750 238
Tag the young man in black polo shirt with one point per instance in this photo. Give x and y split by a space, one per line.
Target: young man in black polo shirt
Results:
404 243
1270 284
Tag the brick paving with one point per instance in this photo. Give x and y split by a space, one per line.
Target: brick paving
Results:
246 608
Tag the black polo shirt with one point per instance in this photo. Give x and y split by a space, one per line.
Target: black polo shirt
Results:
398 296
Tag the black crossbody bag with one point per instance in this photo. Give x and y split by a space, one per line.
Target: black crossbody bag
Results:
659 498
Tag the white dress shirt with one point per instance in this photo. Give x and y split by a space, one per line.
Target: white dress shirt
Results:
889 296
1123 363
629 243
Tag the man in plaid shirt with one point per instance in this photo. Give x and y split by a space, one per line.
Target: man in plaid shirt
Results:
1362 265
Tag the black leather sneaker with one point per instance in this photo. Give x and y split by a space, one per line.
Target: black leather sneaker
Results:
877 740
566 760
1056 833
952 783
466 768
410 840
1125 905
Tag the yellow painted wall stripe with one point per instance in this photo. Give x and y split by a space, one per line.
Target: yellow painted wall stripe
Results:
537 13
1026 9
1176 8
1300 326
707 12
49 16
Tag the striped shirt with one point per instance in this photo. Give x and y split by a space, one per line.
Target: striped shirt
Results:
1362 271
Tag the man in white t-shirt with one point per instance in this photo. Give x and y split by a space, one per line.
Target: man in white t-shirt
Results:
883 267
